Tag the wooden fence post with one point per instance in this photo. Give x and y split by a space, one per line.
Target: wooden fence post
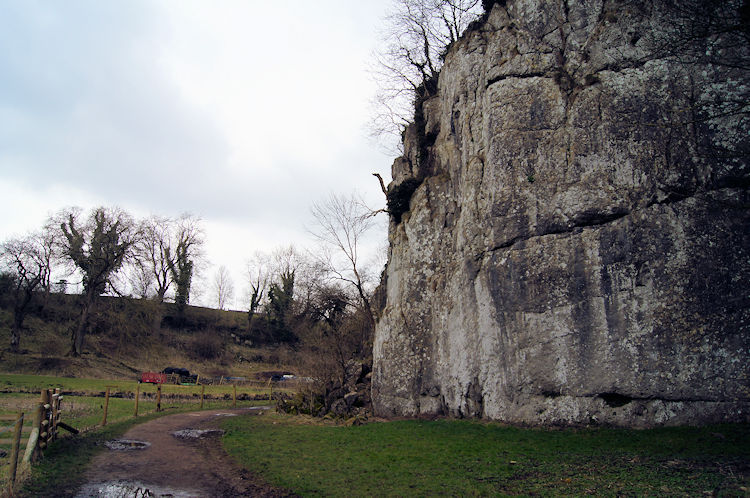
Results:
203 390
31 446
106 407
55 420
14 449
137 393
44 429
158 397
234 396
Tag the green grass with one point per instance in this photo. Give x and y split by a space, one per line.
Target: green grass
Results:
466 458
35 383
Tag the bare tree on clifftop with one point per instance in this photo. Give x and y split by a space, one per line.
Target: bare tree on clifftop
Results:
223 287
29 261
183 259
415 39
157 251
257 276
98 246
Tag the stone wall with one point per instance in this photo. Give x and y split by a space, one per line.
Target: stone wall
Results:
578 250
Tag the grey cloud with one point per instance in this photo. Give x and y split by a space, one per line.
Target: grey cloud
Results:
84 102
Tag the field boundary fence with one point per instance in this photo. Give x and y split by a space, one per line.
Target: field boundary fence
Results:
43 431
281 381
32 431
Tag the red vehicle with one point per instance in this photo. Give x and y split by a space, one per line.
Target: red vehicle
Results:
153 377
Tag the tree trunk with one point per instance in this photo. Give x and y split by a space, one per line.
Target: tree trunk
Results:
366 304
47 292
23 298
15 332
158 309
76 339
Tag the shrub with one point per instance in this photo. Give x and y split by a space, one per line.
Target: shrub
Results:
399 196
205 346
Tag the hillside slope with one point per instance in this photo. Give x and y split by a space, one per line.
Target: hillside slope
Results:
124 341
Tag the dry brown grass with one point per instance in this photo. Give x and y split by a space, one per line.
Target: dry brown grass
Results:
119 354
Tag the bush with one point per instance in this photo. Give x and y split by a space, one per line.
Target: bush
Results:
205 346
399 196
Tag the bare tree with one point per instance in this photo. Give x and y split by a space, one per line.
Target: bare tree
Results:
257 274
340 225
48 246
291 264
184 257
416 37
165 251
223 287
153 258
141 279
98 246
28 260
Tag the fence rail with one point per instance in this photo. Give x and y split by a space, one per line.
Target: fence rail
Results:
28 441
177 379
39 435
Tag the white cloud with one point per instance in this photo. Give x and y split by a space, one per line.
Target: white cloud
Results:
243 113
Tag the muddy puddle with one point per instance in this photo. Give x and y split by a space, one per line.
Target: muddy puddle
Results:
133 489
197 433
126 444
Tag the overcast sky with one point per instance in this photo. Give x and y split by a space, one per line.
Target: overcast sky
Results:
241 112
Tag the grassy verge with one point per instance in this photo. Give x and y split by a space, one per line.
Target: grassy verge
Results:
460 458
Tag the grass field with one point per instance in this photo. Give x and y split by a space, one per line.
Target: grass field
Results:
314 457
468 458
35 383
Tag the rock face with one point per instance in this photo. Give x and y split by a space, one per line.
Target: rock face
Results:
578 248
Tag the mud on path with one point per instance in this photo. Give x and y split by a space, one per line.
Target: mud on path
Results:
174 466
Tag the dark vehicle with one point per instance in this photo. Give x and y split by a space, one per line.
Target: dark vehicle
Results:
179 375
182 372
282 377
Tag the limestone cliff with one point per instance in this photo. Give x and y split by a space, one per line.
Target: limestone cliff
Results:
578 248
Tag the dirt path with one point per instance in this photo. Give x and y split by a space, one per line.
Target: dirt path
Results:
174 466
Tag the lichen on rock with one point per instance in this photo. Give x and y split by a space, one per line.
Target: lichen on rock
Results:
577 250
